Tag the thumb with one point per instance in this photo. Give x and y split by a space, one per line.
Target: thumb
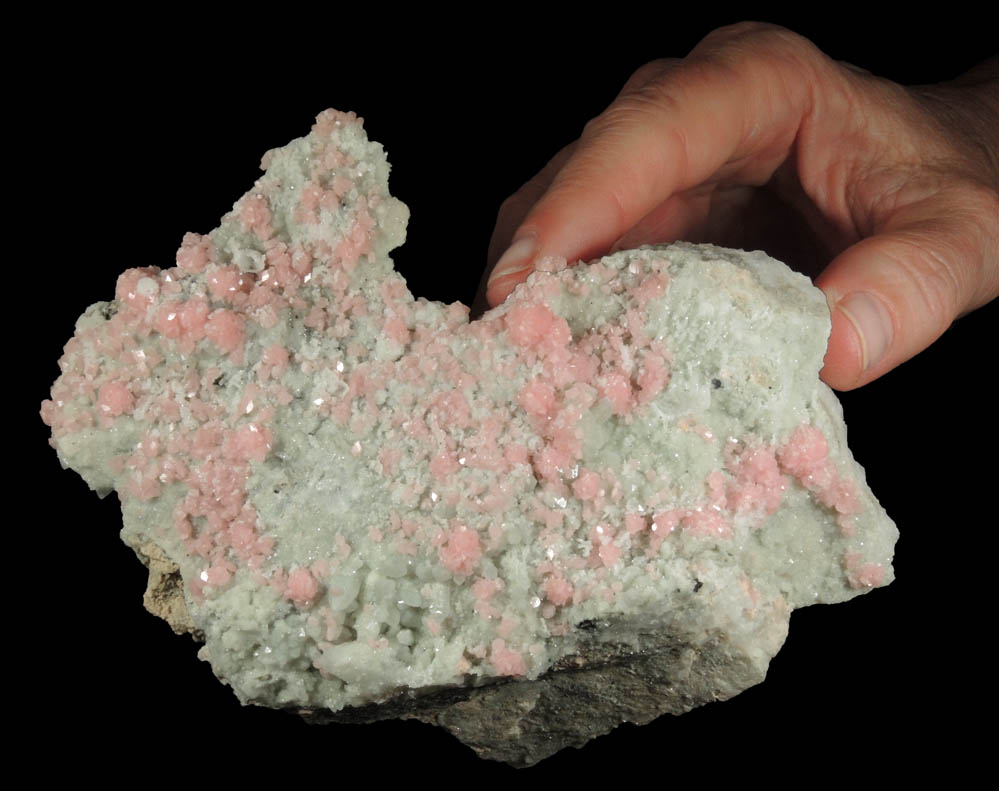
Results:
893 294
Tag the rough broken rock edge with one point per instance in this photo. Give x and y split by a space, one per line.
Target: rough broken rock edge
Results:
623 672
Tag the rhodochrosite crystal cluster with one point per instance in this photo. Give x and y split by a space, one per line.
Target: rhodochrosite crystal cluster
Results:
624 478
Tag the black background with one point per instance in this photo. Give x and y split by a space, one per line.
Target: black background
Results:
140 133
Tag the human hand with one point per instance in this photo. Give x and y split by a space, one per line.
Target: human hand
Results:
759 140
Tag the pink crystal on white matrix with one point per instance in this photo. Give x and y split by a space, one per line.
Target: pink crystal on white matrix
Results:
364 492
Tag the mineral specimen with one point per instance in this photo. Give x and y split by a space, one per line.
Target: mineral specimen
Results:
597 503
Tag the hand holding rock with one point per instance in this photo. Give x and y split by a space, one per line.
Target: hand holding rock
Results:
757 139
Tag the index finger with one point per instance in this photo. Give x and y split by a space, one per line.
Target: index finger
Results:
730 110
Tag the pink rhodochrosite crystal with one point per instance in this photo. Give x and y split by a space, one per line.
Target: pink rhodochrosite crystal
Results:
368 495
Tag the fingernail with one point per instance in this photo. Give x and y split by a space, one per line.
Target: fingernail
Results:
871 320
515 259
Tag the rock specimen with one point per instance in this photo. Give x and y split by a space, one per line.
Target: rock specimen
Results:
597 503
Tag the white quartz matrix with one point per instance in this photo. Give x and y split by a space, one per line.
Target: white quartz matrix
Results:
365 492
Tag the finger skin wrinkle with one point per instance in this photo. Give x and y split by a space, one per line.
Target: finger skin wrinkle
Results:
739 31
636 182
661 105
874 194
935 278
988 200
841 116
650 72
976 232
950 285
779 90
829 180
681 159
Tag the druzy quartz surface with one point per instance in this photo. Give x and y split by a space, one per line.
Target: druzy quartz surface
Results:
366 494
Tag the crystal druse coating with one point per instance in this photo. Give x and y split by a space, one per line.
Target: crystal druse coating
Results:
365 493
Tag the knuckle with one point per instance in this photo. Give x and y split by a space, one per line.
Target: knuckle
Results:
637 107
751 44
738 30
651 71
753 35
